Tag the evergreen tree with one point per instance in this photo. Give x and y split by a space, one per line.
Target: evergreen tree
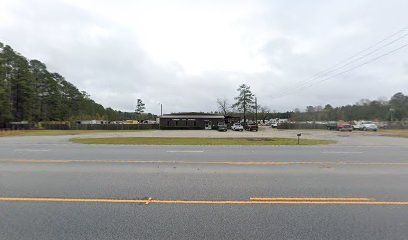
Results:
5 105
29 92
244 100
140 106
399 104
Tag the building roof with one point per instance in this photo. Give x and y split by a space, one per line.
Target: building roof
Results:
192 115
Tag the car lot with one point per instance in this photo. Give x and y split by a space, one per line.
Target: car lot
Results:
201 185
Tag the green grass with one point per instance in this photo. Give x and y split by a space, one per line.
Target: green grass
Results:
198 141
55 132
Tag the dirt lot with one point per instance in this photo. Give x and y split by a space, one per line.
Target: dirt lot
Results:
380 138
395 133
355 138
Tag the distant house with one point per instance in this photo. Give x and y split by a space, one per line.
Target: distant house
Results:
191 120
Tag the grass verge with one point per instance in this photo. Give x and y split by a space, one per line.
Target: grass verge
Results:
199 141
394 133
55 132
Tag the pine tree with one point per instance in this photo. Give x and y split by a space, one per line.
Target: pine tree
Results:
140 107
5 110
245 100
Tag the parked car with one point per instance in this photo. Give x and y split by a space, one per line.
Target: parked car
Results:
251 127
222 127
274 125
370 127
344 127
358 126
237 127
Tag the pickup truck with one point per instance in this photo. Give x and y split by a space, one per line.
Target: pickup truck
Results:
251 127
339 126
332 125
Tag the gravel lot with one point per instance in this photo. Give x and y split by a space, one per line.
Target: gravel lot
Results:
343 138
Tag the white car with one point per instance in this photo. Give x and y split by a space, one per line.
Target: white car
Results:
237 127
358 126
370 127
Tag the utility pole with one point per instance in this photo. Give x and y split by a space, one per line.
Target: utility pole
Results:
391 112
161 109
256 110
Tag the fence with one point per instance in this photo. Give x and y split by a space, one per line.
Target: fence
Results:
100 126
19 126
383 125
396 125
301 126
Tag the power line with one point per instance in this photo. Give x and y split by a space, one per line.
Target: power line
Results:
350 60
357 66
364 63
362 57
362 51
354 58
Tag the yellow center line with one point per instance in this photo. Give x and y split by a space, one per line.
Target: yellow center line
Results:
311 199
199 202
72 200
249 163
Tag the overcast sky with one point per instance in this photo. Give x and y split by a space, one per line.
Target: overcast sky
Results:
186 54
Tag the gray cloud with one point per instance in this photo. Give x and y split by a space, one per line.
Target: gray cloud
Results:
102 53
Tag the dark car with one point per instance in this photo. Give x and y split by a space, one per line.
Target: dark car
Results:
222 127
251 127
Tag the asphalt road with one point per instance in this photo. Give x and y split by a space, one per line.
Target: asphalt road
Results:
53 189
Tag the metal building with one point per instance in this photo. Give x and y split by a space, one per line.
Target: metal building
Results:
190 120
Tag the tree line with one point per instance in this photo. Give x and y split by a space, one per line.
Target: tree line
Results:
394 109
29 92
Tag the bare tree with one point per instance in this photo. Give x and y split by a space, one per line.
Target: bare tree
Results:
263 112
223 105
